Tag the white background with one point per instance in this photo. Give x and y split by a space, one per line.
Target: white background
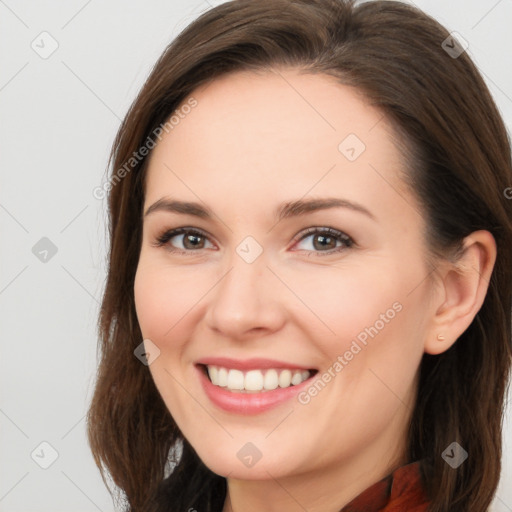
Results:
59 117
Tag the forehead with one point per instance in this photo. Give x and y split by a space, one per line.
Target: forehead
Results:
276 133
285 106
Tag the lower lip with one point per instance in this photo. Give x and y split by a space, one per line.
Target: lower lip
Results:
248 403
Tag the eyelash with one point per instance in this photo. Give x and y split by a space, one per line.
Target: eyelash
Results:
164 238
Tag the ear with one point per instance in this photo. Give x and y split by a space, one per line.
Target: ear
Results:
461 291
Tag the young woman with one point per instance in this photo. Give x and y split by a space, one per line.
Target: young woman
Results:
308 303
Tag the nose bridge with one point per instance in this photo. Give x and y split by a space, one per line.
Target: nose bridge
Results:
243 286
247 269
245 297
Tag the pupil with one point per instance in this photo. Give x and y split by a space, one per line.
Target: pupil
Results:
189 239
324 239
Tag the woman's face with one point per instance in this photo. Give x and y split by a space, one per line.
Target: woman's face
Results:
259 291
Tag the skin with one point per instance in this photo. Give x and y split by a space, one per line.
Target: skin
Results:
252 142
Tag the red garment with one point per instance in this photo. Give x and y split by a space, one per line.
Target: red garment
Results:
401 491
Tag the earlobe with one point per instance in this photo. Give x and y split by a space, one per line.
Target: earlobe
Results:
462 291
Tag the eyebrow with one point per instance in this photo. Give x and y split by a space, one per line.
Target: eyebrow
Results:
283 211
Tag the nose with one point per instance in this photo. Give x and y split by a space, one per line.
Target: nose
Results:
245 303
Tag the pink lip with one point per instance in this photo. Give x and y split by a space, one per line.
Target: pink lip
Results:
248 403
250 364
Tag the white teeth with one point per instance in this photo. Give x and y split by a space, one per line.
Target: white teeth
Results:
285 378
255 380
297 378
235 379
271 380
213 373
222 377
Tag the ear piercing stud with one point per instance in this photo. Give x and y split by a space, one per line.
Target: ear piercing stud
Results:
440 338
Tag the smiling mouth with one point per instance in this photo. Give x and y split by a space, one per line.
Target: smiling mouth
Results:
256 380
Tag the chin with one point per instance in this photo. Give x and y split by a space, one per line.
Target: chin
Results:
244 460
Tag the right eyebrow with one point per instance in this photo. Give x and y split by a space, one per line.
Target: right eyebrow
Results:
185 207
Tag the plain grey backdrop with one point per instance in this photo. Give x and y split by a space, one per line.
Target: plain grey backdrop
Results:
68 73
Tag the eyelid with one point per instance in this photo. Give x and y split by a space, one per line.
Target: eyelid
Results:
324 230
347 242
166 235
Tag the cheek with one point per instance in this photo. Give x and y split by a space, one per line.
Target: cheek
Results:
164 298
341 302
164 307
150 302
368 317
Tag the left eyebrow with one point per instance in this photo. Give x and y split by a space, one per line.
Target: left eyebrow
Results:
283 211
302 206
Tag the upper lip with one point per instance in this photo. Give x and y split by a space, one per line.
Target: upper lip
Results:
250 364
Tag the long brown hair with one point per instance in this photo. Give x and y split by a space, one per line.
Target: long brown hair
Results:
458 156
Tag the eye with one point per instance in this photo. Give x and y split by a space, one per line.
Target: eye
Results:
191 239
325 240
